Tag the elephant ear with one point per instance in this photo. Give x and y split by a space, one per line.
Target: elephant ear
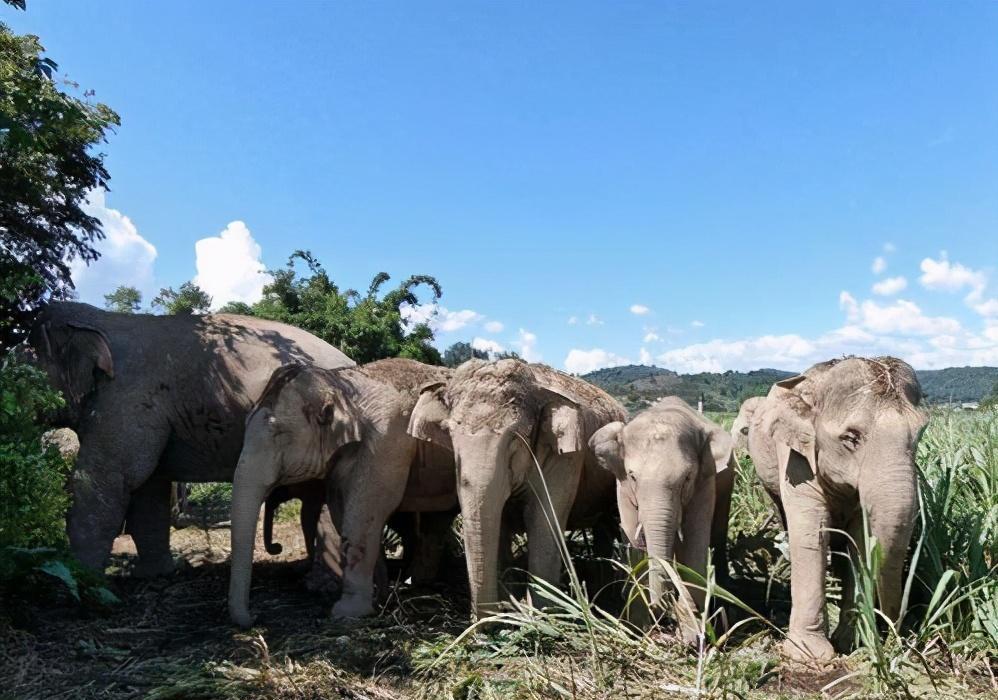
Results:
792 428
561 423
85 353
341 419
607 444
430 415
717 450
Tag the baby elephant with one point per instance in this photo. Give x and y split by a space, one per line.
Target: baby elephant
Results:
349 425
667 461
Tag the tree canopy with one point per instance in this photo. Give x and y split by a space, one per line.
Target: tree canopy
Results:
124 300
190 299
47 142
364 326
462 352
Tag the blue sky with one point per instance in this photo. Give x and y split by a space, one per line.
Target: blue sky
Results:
732 170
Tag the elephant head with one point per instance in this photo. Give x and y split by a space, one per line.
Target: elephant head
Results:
740 428
76 356
496 418
665 460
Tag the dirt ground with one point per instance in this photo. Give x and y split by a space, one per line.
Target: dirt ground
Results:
171 638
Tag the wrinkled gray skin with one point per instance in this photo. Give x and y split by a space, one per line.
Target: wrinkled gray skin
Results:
666 462
829 445
155 399
740 428
493 416
347 426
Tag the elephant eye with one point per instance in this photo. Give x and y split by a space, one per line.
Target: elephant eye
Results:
851 439
744 430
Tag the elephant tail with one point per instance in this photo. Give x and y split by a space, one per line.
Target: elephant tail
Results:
275 499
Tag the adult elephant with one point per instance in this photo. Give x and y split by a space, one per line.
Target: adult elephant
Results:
834 446
498 418
155 399
347 426
673 469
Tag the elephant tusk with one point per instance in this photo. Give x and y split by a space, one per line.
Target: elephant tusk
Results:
639 537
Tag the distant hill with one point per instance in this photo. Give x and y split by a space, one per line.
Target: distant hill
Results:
958 384
638 385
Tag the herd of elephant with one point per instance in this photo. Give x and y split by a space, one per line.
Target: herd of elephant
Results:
513 446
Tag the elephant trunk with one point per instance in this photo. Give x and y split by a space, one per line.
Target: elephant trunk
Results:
659 512
274 500
248 493
890 500
482 492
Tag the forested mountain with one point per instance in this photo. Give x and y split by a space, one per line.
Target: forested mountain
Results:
638 385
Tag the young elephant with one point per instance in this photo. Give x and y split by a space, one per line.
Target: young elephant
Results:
312 495
833 445
740 428
666 462
310 423
496 418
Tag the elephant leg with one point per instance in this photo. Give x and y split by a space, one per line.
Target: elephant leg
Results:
546 514
724 483
845 563
326 574
807 522
311 508
249 490
148 522
372 489
691 551
107 472
431 540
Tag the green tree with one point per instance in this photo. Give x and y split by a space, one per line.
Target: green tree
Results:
49 166
363 326
124 300
33 499
190 299
462 352
237 307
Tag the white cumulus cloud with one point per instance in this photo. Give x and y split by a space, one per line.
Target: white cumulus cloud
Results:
526 346
942 275
594 320
879 265
229 266
903 318
486 345
126 257
572 320
987 308
493 327
644 357
438 317
640 310
890 286
697 324
584 361
651 337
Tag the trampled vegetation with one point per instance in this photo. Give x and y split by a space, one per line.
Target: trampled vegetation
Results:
172 639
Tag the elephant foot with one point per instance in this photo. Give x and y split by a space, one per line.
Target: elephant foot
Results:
241 618
355 606
146 567
808 648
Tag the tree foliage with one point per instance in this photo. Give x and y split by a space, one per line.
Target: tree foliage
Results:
190 299
364 326
33 499
462 352
47 142
123 300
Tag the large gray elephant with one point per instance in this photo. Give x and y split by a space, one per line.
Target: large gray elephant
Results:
347 426
833 445
497 418
673 469
740 426
155 399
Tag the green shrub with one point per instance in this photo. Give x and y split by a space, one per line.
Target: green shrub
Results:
33 497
